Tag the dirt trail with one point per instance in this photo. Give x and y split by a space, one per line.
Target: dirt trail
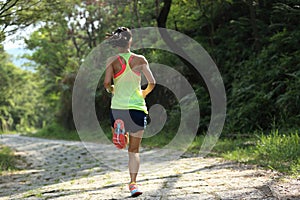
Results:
66 170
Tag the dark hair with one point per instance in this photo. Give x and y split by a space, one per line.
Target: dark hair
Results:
120 37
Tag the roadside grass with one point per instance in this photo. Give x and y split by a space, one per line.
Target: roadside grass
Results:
7 159
276 151
55 131
279 151
159 140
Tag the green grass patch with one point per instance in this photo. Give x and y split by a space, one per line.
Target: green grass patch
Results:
161 139
279 151
7 159
196 144
55 131
274 151
223 145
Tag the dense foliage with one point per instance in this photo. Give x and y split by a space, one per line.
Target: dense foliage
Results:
255 44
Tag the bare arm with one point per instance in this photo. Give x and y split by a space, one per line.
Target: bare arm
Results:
149 76
108 77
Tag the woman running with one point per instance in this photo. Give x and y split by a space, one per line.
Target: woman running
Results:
128 107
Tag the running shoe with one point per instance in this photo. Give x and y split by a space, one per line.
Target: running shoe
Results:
134 190
120 137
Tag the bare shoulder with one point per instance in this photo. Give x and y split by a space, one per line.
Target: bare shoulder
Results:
140 58
111 59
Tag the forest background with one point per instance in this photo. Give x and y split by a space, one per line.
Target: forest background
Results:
254 43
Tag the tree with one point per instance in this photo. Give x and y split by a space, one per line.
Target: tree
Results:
21 105
63 42
252 43
19 14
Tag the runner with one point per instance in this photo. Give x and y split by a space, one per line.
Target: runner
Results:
128 107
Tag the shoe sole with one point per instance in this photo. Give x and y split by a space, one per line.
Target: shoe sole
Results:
136 194
122 130
119 121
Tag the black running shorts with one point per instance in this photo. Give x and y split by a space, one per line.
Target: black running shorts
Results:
134 120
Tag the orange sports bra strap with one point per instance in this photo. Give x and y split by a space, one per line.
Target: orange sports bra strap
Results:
120 60
123 68
130 59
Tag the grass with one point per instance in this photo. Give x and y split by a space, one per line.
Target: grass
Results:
274 151
279 151
159 140
7 159
55 131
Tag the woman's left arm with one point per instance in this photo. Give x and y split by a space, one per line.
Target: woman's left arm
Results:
149 76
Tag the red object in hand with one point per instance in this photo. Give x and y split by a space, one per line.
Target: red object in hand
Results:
120 137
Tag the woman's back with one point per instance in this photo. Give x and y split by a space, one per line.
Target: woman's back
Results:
127 82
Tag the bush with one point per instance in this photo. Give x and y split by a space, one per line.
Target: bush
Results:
265 88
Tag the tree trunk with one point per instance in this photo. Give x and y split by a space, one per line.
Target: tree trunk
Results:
163 15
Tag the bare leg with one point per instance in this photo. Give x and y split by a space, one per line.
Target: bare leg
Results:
133 152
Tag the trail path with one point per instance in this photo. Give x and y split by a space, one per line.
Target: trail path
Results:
66 170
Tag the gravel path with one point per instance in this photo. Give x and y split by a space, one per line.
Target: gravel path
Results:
67 170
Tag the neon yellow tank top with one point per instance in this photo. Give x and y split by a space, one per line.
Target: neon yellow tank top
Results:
127 87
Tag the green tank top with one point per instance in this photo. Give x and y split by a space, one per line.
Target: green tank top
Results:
127 87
